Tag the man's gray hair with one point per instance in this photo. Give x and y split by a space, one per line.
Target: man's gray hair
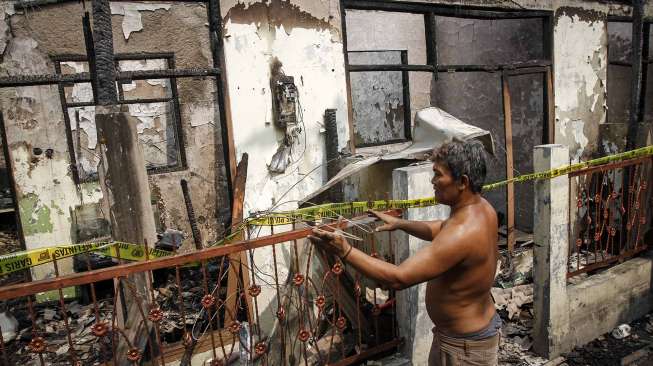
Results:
464 158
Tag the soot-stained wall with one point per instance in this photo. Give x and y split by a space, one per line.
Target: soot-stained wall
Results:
51 203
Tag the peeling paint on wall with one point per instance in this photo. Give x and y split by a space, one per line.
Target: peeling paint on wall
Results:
132 15
37 215
305 44
580 53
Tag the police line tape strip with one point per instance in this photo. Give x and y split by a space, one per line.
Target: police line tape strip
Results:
317 212
135 252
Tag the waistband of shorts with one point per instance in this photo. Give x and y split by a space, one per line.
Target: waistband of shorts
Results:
483 344
491 330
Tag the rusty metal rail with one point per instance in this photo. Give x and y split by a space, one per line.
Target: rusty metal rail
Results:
302 305
607 223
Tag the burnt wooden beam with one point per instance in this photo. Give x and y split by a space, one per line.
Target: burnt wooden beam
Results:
493 68
444 10
35 4
398 67
167 73
507 122
85 77
226 167
636 86
32 80
646 31
431 42
118 56
451 68
405 89
350 110
238 260
549 135
128 101
105 71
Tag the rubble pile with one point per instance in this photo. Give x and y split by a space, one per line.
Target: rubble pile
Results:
51 333
513 298
91 347
633 347
9 243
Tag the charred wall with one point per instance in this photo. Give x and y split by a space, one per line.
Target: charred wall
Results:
52 203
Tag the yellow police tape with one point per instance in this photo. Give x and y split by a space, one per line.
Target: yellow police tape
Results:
317 212
136 252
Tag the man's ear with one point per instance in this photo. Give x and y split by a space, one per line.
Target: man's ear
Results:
464 182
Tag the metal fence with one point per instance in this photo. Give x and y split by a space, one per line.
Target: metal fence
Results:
607 223
300 306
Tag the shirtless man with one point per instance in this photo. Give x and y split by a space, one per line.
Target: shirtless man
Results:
459 265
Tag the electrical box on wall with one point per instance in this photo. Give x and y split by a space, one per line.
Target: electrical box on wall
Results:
284 93
288 118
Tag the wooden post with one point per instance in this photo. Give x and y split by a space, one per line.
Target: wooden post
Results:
125 186
550 107
510 227
235 269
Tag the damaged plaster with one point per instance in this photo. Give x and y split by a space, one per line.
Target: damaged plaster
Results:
131 13
34 120
302 36
580 52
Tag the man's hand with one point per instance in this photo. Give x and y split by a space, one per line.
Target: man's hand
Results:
334 243
391 223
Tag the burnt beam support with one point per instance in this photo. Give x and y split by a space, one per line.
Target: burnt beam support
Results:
646 31
336 193
105 70
431 42
225 154
85 77
636 61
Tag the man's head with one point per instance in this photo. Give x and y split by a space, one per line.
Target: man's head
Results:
459 169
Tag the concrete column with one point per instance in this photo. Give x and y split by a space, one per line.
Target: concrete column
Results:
551 252
414 323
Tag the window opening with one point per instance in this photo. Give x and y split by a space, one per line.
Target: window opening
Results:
153 102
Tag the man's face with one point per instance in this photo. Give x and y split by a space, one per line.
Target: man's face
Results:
445 187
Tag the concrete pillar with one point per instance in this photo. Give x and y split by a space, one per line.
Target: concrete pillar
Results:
551 252
414 323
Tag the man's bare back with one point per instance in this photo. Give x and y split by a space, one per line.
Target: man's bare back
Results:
459 301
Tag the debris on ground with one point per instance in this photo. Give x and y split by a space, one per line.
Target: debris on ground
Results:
515 306
621 332
516 269
607 350
9 325
513 299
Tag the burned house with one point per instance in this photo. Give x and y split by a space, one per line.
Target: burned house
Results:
127 121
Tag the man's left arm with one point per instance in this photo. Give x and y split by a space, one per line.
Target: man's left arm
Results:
446 250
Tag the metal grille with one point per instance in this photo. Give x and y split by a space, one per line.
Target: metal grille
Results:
311 319
607 222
